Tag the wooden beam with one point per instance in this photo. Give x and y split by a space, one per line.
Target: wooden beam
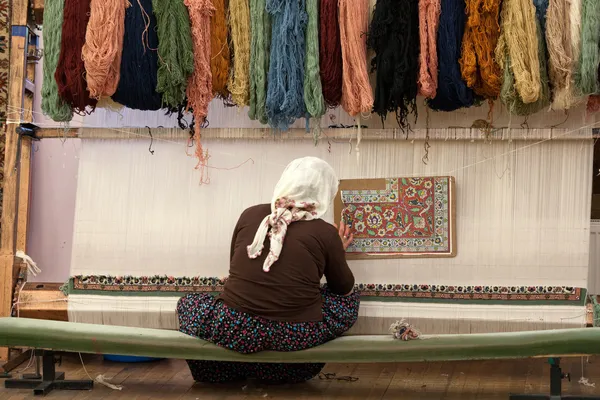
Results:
19 46
43 301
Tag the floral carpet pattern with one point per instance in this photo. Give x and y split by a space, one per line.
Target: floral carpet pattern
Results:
410 217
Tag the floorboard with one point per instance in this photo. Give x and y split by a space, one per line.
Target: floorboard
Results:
171 379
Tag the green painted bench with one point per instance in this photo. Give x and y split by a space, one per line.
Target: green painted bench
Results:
104 339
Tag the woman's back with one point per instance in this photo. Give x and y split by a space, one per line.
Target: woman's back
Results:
290 291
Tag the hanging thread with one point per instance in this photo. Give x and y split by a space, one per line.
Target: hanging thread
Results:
520 38
52 104
357 94
429 19
509 94
589 58
220 56
285 95
139 62
260 30
175 54
70 70
558 41
313 92
104 46
452 92
239 77
199 90
478 67
330 52
394 37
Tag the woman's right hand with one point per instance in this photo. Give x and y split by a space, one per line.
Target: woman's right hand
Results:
345 234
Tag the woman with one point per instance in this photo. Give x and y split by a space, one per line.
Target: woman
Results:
273 298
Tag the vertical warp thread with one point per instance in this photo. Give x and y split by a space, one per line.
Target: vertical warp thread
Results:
558 42
520 37
70 70
219 45
313 92
285 95
52 104
330 52
394 37
453 93
260 31
239 77
103 46
589 58
175 54
477 64
429 19
357 94
199 89
139 62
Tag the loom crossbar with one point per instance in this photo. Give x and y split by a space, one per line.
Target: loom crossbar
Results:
105 339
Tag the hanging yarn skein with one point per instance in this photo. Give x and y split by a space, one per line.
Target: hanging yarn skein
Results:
357 94
330 52
70 70
520 37
175 54
453 93
52 104
219 46
139 62
587 75
239 77
558 42
103 46
199 90
260 30
285 92
509 94
477 64
394 37
429 20
313 92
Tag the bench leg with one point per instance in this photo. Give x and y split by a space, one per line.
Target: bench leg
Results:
556 377
49 380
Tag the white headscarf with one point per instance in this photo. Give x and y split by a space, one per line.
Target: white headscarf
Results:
304 192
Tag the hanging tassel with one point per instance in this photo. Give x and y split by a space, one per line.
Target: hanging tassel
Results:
139 62
52 105
330 53
259 60
478 67
394 37
70 71
313 92
452 92
31 265
220 59
104 46
357 94
520 37
239 78
429 20
587 75
285 102
175 54
560 54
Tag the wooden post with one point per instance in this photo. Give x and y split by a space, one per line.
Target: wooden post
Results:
16 177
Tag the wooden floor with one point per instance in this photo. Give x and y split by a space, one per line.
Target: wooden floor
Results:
170 379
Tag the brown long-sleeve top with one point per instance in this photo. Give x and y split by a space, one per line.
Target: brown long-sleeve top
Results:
290 291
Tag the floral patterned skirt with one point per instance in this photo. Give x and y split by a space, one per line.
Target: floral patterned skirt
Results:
203 316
